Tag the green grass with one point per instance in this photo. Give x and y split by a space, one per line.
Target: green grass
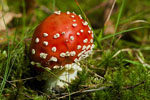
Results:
118 19
118 69
8 60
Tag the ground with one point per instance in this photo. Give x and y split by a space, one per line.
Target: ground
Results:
118 68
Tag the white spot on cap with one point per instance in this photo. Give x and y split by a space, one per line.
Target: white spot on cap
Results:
92 46
89 31
62 55
33 51
54 49
78 33
81 53
78 47
88 52
91 40
37 40
92 35
74 20
76 60
68 12
88 47
45 34
57 12
80 58
53 59
83 56
72 16
74 25
85 23
43 55
80 16
63 33
84 47
57 35
45 43
74 13
72 38
81 31
72 53
85 40
67 53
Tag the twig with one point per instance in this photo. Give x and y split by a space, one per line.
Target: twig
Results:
122 50
44 94
108 17
134 86
45 9
139 21
93 90
9 82
83 91
77 2
98 89
141 61
16 87
22 79
96 74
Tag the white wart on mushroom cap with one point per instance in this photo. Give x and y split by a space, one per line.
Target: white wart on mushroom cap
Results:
62 38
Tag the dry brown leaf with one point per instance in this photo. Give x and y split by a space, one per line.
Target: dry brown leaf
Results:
110 28
8 17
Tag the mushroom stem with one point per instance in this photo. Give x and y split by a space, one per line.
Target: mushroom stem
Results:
59 77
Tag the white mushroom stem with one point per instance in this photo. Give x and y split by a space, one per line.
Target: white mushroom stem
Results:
59 77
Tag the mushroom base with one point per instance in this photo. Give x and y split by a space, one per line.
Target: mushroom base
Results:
59 77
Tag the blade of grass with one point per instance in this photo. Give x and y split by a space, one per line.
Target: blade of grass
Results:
24 19
124 31
53 5
118 20
132 62
8 56
84 15
97 38
134 16
69 93
110 13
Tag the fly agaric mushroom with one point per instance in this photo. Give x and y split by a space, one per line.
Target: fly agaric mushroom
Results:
59 43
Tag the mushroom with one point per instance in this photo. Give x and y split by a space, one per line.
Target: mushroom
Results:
59 43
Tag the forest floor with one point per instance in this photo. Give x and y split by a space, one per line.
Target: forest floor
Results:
118 68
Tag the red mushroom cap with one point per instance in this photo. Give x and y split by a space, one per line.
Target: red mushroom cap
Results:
62 38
